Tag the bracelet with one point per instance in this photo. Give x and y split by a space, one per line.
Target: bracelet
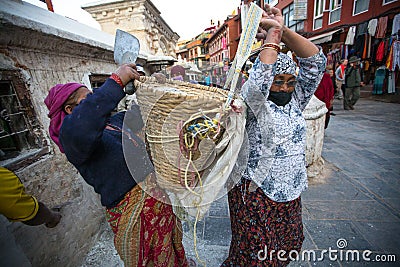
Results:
273 46
263 48
117 79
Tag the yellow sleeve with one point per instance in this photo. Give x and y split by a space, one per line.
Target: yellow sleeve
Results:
15 204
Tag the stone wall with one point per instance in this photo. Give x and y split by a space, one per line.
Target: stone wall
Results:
41 61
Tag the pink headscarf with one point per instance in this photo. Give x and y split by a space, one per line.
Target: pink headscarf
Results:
54 102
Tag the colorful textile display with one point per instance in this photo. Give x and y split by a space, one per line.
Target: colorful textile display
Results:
396 24
372 24
382 26
380 75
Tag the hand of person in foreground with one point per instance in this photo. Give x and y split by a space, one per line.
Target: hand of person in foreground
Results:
127 73
271 25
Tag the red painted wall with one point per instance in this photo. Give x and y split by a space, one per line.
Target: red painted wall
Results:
233 26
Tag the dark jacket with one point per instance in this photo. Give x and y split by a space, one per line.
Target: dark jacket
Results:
353 77
97 152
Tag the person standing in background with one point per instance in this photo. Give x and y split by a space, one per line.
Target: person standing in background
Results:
353 80
325 92
340 75
178 73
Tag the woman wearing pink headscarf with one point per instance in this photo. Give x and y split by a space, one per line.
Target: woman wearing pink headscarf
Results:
56 102
146 230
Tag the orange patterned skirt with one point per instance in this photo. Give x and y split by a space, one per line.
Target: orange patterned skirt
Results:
146 231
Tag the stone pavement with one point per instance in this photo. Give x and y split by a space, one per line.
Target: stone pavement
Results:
356 205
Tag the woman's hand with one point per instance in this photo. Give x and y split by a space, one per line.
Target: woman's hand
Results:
271 18
271 25
127 73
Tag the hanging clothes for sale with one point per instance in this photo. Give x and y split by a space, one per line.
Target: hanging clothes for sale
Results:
350 35
359 45
367 72
382 26
344 51
369 46
389 60
333 57
329 59
380 52
391 84
366 46
362 28
380 75
396 24
372 24
396 55
374 49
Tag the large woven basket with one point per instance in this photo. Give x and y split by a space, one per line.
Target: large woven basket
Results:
165 108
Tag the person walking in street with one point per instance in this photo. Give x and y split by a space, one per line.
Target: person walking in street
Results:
18 206
353 78
265 205
325 92
178 73
340 76
146 231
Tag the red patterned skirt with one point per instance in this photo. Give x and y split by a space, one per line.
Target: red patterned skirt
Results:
147 232
260 225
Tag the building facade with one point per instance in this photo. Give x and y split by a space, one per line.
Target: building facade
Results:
142 19
182 52
344 28
322 16
223 43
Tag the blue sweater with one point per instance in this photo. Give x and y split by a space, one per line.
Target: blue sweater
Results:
107 159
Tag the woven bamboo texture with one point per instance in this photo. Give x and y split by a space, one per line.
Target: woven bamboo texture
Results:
165 108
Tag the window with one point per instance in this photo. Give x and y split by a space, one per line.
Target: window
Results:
335 8
360 6
97 80
318 12
21 139
271 2
388 1
294 25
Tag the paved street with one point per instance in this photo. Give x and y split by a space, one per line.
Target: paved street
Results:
357 202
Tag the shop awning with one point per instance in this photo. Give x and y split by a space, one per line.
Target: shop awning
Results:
322 38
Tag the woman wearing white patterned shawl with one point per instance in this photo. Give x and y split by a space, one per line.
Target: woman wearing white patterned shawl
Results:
265 206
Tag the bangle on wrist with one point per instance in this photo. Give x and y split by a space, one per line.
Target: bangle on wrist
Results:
270 48
273 46
117 79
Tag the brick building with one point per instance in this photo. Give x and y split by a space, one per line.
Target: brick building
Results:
344 28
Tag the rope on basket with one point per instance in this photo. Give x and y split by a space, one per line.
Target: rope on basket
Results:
208 126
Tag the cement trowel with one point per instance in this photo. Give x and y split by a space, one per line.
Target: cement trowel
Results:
126 50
